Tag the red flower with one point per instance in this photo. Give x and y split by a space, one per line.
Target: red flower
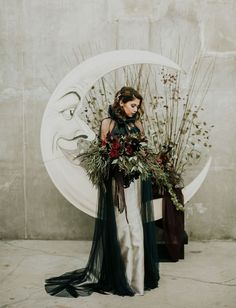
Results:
113 153
103 143
129 150
115 145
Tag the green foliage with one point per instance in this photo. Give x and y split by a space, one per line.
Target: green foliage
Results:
132 157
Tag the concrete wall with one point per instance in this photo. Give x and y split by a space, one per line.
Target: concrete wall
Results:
42 40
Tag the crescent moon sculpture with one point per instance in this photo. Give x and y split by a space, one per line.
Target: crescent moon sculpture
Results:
63 131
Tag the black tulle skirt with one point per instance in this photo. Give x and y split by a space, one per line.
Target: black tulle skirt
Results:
105 271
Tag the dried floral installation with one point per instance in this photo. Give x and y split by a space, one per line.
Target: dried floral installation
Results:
172 105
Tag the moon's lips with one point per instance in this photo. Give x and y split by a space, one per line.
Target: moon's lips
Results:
68 177
71 144
71 148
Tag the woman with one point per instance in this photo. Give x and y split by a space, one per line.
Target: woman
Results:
123 257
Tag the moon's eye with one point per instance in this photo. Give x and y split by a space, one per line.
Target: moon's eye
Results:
68 113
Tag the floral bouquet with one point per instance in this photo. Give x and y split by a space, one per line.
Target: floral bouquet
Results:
130 157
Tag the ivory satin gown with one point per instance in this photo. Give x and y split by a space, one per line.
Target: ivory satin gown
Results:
130 236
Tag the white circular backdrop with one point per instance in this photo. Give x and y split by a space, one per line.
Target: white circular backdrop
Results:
63 131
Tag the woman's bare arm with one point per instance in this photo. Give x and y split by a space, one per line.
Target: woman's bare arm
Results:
106 126
140 127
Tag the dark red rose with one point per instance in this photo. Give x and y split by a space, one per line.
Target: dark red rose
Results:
135 144
129 150
103 143
114 153
115 145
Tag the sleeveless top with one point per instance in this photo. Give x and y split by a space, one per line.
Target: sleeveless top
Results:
123 125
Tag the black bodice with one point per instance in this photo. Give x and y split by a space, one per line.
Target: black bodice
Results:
123 125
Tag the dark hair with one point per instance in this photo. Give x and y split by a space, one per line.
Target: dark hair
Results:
126 94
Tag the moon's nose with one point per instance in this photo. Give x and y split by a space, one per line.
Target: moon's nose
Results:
84 128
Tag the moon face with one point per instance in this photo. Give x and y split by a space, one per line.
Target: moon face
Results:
64 134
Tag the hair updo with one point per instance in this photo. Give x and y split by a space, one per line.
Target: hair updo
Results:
126 94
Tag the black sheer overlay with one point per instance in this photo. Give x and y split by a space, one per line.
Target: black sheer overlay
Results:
151 263
105 271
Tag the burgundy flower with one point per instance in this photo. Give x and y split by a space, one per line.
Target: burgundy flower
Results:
129 150
135 143
115 145
103 143
114 153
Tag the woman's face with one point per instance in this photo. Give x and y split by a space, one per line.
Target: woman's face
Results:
131 107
